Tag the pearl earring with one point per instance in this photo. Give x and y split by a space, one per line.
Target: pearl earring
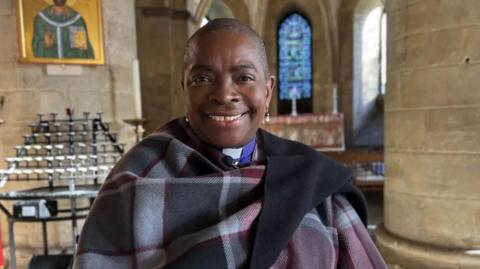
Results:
267 116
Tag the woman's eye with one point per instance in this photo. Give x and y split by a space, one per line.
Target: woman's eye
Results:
246 78
200 79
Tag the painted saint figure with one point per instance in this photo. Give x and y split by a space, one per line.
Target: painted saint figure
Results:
60 32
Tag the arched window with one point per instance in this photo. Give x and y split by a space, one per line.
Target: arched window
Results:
295 64
369 67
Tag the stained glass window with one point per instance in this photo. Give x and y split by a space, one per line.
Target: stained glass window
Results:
295 58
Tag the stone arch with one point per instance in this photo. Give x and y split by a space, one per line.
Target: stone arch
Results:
226 9
240 10
201 10
322 54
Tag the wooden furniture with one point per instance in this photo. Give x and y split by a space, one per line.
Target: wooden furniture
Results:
325 133
321 131
367 165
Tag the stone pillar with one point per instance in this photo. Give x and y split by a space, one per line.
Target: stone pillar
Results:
27 89
432 141
163 28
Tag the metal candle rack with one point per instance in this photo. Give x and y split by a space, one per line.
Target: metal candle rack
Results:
72 155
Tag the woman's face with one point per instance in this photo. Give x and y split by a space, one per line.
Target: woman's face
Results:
226 89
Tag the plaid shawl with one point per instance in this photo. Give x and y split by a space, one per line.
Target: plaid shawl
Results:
171 203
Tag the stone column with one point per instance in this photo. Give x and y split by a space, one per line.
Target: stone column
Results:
162 31
432 141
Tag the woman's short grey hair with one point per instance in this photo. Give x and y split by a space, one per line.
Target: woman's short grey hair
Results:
230 25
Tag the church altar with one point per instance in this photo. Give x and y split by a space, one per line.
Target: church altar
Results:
323 132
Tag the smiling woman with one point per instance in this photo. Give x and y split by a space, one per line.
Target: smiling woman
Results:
227 91
212 190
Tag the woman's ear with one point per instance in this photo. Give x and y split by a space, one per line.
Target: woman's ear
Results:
270 86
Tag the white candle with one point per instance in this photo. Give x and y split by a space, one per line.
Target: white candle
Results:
137 95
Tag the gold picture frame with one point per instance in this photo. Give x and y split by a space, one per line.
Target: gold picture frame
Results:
77 23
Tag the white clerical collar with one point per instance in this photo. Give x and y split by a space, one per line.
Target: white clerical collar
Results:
235 153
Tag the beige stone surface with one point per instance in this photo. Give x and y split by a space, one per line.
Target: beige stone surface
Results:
396 54
429 219
6 8
345 83
429 48
397 17
393 100
24 101
94 102
7 76
395 5
432 146
435 175
161 54
441 130
240 10
404 254
428 15
9 38
441 87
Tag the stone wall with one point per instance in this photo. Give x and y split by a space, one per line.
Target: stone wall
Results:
432 149
162 31
27 90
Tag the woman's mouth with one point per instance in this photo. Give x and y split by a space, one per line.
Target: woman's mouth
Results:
225 118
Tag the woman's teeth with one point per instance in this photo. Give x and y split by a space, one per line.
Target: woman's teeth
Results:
225 118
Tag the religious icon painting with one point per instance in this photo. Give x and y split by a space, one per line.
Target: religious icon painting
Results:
60 31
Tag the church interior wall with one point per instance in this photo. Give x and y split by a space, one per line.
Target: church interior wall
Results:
162 30
423 72
27 89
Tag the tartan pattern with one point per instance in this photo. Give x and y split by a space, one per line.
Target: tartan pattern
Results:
166 205
338 241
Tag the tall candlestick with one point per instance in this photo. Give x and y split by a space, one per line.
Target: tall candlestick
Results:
294 95
335 99
137 96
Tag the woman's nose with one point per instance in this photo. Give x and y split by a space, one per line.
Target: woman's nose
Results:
224 92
